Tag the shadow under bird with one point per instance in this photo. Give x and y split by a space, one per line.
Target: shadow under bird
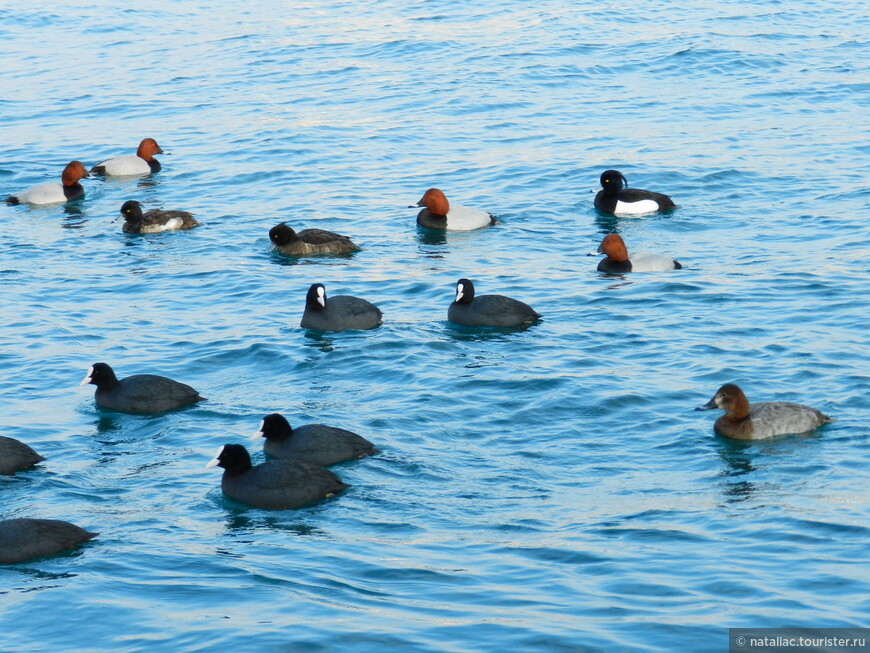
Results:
22 539
765 419
309 242
615 197
317 444
154 220
140 393
15 456
488 310
275 484
339 313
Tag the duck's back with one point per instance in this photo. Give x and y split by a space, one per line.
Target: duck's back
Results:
643 262
126 165
492 310
341 313
48 192
771 418
320 444
465 218
282 485
147 393
318 241
155 221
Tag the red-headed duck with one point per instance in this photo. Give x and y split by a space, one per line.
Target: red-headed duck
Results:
766 419
153 221
438 213
487 310
615 197
129 165
617 260
51 192
309 241
338 313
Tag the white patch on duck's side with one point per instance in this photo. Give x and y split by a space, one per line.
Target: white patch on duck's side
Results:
88 376
217 458
128 165
642 262
464 218
636 208
48 192
169 225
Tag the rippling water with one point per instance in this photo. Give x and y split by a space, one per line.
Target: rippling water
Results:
546 489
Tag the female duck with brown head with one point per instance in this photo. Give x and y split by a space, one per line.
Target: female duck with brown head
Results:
129 165
51 192
766 419
438 213
617 260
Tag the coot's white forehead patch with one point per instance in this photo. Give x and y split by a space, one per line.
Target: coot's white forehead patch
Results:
459 289
217 458
321 296
259 433
88 376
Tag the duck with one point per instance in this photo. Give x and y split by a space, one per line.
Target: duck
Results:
617 260
488 310
22 539
766 419
615 197
15 456
438 213
309 241
339 313
50 192
129 165
317 444
154 220
141 393
275 484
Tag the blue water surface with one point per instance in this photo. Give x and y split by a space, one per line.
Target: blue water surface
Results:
547 489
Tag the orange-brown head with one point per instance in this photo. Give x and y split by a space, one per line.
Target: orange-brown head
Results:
434 200
731 399
148 148
614 247
74 171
